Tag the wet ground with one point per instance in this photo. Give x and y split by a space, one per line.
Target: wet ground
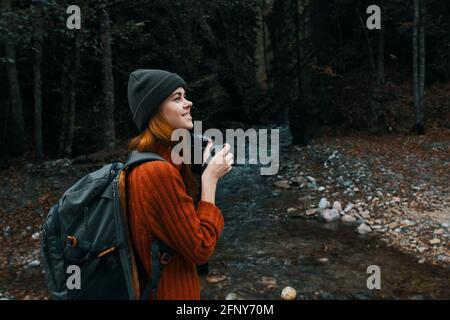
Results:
261 251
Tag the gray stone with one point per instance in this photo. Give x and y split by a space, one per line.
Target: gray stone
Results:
363 229
330 215
323 203
282 184
33 264
337 206
232 296
348 218
311 179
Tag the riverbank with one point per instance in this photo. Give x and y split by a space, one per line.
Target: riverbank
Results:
395 187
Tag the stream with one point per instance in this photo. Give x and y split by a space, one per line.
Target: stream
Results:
261 251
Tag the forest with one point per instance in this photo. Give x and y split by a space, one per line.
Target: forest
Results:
246 62
364 116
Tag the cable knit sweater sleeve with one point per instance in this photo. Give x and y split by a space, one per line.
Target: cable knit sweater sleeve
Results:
169 212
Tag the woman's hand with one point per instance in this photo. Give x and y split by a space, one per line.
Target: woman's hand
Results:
220 164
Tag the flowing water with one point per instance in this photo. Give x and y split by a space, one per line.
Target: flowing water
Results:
319 260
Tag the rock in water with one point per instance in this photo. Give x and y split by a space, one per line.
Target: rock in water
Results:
310 212
215 278
33 264
323 203
35 236
282 184
330 215
232 296
311 179
337 206
288 293
348 218
363 229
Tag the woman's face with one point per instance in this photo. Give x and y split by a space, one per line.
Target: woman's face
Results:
176 109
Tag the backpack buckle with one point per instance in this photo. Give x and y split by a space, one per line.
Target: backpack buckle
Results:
164 258
72 241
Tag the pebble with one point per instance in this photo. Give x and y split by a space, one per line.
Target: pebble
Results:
392 225
396 200
310 212
36 236
289 210
321 189
363 229
407 223
337 206
348 218
215 279
323 260
311 179
348 208
330 215
323 203
33 264
439 232
365 214
435 241
421 261
288 293
282 184
232 296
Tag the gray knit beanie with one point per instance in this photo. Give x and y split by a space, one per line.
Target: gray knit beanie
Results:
147 88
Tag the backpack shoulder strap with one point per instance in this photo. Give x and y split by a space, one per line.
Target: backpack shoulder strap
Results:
159 248
136 157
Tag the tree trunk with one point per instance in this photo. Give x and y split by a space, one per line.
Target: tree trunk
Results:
38 83
341 38
417 69
17 128
421 127
298 48
264 36
108 82
369 44
65 104
72 95
380 56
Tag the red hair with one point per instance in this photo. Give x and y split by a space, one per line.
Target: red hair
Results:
159 129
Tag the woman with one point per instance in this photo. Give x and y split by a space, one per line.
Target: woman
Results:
160 194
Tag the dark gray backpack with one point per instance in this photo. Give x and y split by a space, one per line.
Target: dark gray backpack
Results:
86 231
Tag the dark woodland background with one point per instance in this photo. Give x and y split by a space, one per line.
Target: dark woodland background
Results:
309 64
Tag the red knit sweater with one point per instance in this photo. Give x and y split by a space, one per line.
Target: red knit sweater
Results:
158 205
